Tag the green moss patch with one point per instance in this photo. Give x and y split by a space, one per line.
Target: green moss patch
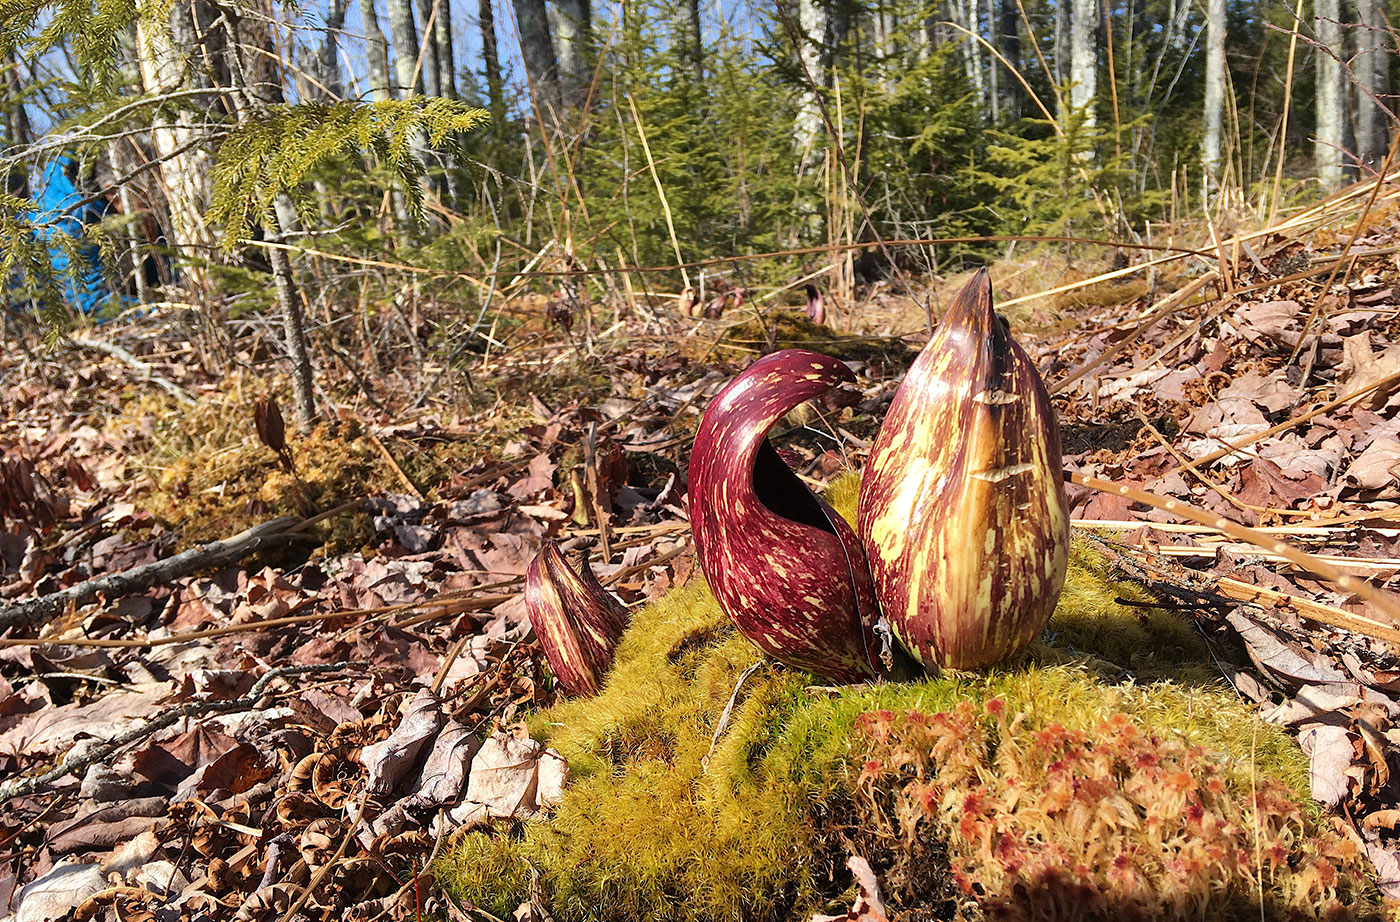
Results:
658 824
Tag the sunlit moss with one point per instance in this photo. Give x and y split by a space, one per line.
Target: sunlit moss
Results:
655 825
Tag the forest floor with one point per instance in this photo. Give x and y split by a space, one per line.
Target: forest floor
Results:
198 743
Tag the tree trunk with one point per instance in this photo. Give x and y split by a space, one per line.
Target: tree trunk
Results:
428 13
814 24
571 31
886 48
293 324
377 50
540 64
404 35
1331 92
1371 65
1008 42
329 66
1215 92
688 39
1060 59
18 132
447 68
491 63
1084 58
184 163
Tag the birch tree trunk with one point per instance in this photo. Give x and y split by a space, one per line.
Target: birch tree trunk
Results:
886 47
442 33
1371 66
1331 92
1084 58
377 50
1214 93
814 25
404 35
184 163
541 66
571 31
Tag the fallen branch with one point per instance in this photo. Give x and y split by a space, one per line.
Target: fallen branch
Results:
31 612
20 787
147 372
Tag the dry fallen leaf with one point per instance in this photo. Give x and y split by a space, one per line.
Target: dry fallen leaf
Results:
1330 754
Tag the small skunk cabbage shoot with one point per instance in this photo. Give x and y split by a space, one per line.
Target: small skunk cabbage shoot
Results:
577 622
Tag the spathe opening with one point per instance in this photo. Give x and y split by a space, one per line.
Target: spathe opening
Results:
783 493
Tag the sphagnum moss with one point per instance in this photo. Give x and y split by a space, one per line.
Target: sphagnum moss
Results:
655 825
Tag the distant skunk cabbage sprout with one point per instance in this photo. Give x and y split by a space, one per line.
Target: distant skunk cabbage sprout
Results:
962 506
577 622
785 567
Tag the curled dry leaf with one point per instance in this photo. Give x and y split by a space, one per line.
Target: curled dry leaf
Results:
1330 754
388 762
512 777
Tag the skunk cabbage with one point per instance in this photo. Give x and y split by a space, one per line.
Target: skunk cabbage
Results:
785 567
577 622
962 508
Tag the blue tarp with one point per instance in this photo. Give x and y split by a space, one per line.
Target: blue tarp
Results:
55 195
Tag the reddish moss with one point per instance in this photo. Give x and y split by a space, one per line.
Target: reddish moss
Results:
1119 823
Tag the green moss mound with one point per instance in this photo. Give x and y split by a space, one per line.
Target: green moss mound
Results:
659 824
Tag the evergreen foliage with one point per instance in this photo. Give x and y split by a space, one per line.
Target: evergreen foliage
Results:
272 153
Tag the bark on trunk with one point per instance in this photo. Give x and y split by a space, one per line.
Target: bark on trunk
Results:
688 38
428 13
1331 92
535 47
814 25
403 32
185 164
1008 42
1371 65
447 68
1060 59
571 31
293 323
1084 58
329 65
378 52
491 64
1214 92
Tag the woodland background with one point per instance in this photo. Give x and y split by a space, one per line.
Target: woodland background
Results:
493 261
349 152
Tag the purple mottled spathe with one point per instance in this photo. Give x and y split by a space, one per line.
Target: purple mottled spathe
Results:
577 622
785 567
962 505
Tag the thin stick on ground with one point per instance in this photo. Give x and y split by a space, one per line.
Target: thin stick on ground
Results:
1306 561
76 766
116 585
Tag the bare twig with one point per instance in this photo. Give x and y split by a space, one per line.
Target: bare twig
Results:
22 786
115 585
